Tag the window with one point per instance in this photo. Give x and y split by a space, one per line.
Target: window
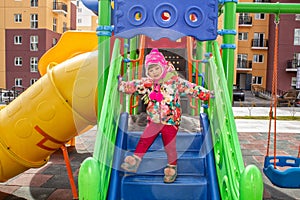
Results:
294 81
79 10
33 80
244 15
242 57
18 18
296 61
34 3
54 41
34 21
242 60
259 16
18 61
257 80
259 36
65 27
257 58
259 40
54 24
18 82
243 36
18 39
34 41
34 64
245 19
297 37
79 20
297 17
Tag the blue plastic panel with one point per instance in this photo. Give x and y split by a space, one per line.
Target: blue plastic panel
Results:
91 4
171 19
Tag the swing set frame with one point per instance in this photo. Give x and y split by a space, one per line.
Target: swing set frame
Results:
286 178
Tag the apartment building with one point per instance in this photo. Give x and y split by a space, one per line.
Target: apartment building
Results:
86 19
29 28
252 49
255 51
288 50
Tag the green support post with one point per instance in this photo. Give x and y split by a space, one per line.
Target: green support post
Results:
229 43
90 173
103 51
133 47
208 50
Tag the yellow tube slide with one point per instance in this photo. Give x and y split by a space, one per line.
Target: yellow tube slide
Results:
49 113
71 44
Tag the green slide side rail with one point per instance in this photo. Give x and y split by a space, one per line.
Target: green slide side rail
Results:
94 174
235 181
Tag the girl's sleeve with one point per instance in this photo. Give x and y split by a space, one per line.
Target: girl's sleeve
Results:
192 89
130 87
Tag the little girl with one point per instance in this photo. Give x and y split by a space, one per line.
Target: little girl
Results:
161 89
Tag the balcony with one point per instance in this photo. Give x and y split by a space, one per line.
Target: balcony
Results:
259 44
60 7
244 65
292 65
245 21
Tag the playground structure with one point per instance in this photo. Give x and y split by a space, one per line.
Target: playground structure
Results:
71 97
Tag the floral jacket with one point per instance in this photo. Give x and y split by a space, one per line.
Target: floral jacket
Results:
166 110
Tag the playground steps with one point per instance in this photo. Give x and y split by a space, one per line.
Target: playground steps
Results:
152 187
196 167
148 183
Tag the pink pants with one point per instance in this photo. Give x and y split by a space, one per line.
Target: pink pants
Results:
168 133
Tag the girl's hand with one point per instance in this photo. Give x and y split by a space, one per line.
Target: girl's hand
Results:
205 96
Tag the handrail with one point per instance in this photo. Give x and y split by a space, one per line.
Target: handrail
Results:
140 60
192 61
234 179
95 171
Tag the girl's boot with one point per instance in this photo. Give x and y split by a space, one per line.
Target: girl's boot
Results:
170 173
131 163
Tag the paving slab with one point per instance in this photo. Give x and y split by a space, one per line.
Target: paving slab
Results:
51 182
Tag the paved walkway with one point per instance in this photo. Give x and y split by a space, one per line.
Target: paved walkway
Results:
253 141
245 125
51 181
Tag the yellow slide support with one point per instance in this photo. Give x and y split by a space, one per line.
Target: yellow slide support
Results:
56 108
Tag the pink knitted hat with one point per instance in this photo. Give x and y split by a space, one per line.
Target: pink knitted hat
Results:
156 57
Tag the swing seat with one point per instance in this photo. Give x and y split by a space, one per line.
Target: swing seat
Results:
289 178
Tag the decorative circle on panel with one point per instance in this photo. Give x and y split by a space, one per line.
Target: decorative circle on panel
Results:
23 128
137 15
194 16
165 15
45 111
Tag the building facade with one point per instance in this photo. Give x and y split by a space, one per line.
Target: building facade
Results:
288 50
86 19
29 28
252 50
255 51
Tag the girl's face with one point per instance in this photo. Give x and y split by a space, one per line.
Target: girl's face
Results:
155 71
